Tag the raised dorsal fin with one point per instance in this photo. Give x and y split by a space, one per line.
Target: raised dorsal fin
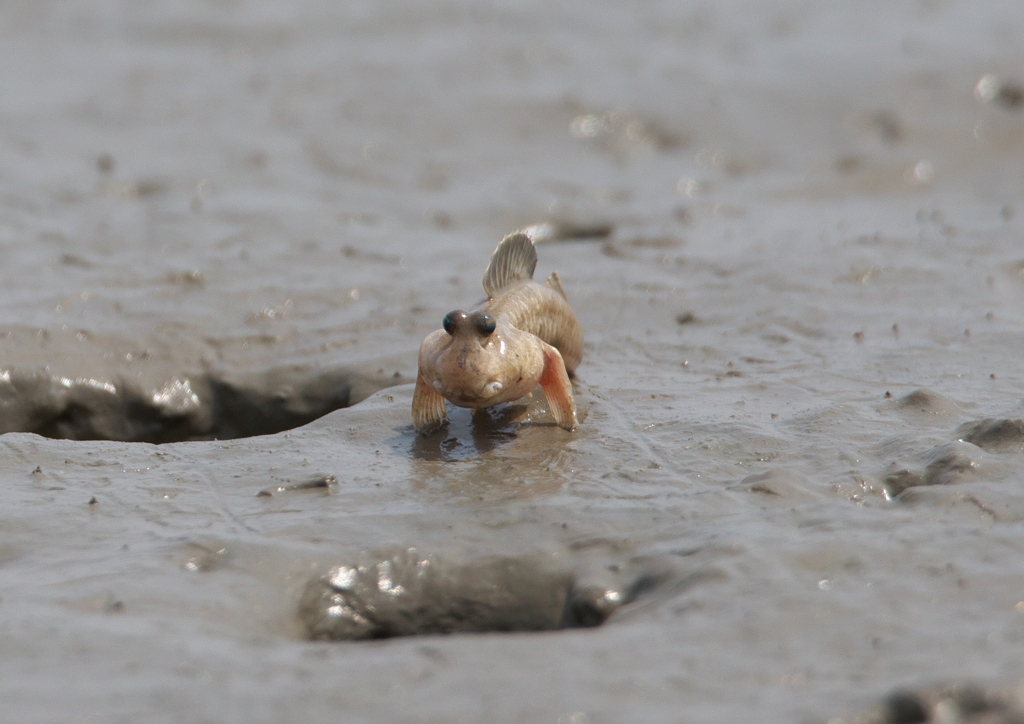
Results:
513 260
555 283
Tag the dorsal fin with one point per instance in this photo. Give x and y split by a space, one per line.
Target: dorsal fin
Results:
513 260
555 283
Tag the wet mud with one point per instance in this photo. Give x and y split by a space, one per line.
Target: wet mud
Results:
791 236
319 483
1001 435
410 593
960 704
945 465
189 407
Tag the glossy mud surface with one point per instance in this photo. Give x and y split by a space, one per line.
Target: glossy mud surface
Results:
800 450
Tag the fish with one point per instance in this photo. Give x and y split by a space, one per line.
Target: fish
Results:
522 335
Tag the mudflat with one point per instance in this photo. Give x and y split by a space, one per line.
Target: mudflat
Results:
791 236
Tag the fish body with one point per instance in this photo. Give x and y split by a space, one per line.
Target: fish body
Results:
522 335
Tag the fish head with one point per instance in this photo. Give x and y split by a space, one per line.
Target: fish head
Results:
466 362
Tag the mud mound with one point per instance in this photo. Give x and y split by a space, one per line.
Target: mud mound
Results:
1000 435
410 593
946 464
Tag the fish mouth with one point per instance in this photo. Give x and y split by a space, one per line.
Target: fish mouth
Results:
461 395
481 396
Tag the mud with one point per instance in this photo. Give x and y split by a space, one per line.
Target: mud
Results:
320 483
945 465
411 593
960 704
188 407
1002 435
791 235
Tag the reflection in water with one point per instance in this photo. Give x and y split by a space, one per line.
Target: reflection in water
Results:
465 436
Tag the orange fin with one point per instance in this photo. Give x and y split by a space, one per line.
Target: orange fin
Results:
555 283
428 408
558 389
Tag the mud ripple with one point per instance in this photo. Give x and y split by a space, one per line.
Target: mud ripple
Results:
777 486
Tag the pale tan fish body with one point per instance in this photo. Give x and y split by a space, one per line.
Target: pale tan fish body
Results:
523 335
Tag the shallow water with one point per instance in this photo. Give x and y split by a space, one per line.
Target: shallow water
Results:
812 291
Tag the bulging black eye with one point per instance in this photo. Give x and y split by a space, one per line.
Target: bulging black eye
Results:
485 324
449 321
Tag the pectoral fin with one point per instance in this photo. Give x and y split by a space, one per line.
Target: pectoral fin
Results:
428 408
558 389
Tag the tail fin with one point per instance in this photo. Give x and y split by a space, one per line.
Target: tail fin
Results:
555 283
513 260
